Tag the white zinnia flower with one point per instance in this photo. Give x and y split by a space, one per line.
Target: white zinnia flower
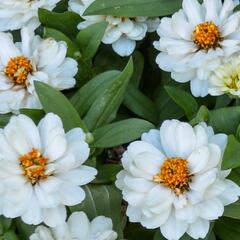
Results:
41 169
122 32
32 59
78 227
226 78
15 14
195 40
172 179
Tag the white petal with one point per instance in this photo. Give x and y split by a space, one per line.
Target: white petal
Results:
33 213
201 182
22 133
198 159
79 219
173 228
199 88
181 26
192 8
79 176
198 229
71 195
54 216
124 46
211 209
8 49
52 136
111 36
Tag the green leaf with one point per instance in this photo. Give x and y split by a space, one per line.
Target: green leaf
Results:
158 236
167 108
227 229
64 22
102 200
90 38
24 230
110 100
55 102
4 119
201 116
120 132
107 173
232 210
184 100
225 119
139 104
133 8
231 157
10 235
86 95
135 231
35 114
72 50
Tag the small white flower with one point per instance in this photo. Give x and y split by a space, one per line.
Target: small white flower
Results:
32 59
122 32
78 227
172 179
41 169
15 14
226 78
195 40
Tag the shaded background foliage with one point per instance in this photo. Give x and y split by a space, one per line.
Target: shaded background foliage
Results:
116 100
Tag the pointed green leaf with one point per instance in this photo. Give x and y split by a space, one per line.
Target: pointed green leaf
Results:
225 120
185 100
86 95
133 8
139 104
110 100
64 22
231 157
55 102
120 132
90 38
102 200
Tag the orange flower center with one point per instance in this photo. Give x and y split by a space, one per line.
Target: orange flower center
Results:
207 35
34 165
18 69
174 174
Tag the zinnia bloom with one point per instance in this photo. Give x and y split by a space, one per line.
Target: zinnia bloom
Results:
122 32
33 59
78 227
41 169
15 14
172 179
226 78
195 40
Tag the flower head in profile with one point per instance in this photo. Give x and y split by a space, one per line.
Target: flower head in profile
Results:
78 227
15 14
195 40
226 78
172 179
41 169
33 59
122 32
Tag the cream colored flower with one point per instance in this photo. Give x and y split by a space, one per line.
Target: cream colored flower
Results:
78 227
172 179
15 14
33 59
226 78
42 169
195 40
122 32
